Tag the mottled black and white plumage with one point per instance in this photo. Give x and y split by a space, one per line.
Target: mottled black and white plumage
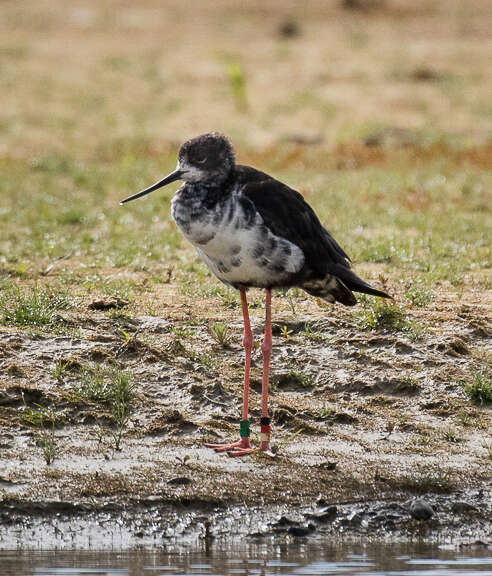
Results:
252 230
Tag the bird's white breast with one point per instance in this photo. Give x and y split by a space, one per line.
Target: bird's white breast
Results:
234 242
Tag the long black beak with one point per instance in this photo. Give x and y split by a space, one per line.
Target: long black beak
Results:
176 175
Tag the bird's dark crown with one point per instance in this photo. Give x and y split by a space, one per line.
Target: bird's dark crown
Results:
209 157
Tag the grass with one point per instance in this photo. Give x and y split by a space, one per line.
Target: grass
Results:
122 403
113 388
34 306
419 296
479 390
43 420
379 314
422 482
451 435
220 333
237 83
313 335
61 367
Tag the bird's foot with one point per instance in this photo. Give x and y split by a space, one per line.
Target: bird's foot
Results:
265 448
239 448
265 436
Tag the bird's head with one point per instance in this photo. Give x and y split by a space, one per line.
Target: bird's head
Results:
207 158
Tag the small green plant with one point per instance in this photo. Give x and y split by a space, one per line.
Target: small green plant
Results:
450 435
419 296
122 403
237 84
44 420
480 390
94 385
325 412
229 300
180 332
285 332
277 448
380 314
313 335
291 296
206 360
488 448
465 419
300 379
110 387
60 368
35 307
220 333
421 481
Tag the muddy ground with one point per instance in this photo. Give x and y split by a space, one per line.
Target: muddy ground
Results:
365 423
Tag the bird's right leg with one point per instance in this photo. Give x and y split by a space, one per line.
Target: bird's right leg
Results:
242 446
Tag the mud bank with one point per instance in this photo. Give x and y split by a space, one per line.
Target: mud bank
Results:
463 520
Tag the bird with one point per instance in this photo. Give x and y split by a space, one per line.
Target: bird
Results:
253 231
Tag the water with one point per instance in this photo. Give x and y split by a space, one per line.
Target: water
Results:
297 559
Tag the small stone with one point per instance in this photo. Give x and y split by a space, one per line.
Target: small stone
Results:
108 304
355 519
180 481
327 514
461 507
284 521
300 531
328 465
421 510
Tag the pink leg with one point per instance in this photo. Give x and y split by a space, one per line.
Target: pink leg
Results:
243 446
266 350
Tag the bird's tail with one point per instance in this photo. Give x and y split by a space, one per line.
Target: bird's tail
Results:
356 284
339 285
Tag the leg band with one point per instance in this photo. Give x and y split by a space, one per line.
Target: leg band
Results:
244 429
265 433
265 421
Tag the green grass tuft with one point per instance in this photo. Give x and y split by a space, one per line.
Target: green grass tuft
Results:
220 333
479 390
379 314
419 296
110 387
35 307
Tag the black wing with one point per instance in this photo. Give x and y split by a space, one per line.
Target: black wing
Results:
288 215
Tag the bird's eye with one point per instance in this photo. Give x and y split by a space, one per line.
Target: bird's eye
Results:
201 159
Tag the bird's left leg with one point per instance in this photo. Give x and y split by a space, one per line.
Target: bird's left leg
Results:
242 446
266 350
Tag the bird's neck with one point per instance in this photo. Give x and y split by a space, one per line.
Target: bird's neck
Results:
208 192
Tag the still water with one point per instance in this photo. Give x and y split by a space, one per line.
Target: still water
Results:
256 559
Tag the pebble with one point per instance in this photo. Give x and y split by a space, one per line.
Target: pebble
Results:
180 481
300 531
327 514
421 510
461 507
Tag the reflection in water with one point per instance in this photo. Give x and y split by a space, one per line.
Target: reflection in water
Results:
255 560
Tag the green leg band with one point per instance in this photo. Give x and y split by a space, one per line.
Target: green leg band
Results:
244 429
